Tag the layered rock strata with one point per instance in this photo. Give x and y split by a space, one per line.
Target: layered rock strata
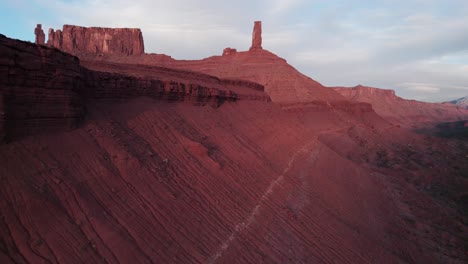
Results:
39 88
96 40
43 88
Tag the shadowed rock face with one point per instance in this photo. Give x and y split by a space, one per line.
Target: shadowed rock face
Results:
44 89
76 39
39 88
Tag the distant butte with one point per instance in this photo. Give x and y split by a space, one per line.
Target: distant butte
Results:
96 40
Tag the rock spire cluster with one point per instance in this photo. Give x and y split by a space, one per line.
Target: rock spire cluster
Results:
96 40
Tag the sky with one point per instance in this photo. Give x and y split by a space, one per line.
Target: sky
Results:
419 48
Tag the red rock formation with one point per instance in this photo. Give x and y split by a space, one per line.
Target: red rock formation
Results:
229 51
117 41
146 180
55 38
152 181
282 82
399 110
44 89
39 86
2 119
108 80
257 36
40 36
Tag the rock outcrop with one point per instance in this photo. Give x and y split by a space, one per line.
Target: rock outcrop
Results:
257 36
55 38
283 83
229 51
39 88
40 36
361 92
101 85
44 89
96 40
399 110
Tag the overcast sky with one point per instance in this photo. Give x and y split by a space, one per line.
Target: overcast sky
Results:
419 48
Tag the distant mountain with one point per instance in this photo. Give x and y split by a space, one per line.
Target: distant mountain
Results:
398 110
460 101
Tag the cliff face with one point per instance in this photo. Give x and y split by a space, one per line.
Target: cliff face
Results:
399 110
111 85
39 88
366 92
44 89
76 39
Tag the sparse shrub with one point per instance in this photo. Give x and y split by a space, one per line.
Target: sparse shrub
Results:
382 159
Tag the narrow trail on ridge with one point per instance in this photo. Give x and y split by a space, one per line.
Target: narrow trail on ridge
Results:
256 210
310 147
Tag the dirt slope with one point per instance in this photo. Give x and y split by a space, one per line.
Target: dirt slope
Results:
247 182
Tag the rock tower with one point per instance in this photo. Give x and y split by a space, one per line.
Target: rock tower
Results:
257 36
40 36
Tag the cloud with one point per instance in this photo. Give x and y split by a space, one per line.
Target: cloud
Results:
421 87
282 6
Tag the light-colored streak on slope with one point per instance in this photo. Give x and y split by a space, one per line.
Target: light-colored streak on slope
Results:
251 218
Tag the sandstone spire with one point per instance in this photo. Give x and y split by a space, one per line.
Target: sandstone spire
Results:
257 36
40 36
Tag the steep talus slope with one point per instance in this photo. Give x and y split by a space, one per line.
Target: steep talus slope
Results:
399 110
149 180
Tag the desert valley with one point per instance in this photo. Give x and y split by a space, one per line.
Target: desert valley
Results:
109 154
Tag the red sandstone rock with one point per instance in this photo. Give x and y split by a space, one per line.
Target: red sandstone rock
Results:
55 38
283 83
44 89
150 181
257 36
399 110
40 88
40 36
117 41
229 51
